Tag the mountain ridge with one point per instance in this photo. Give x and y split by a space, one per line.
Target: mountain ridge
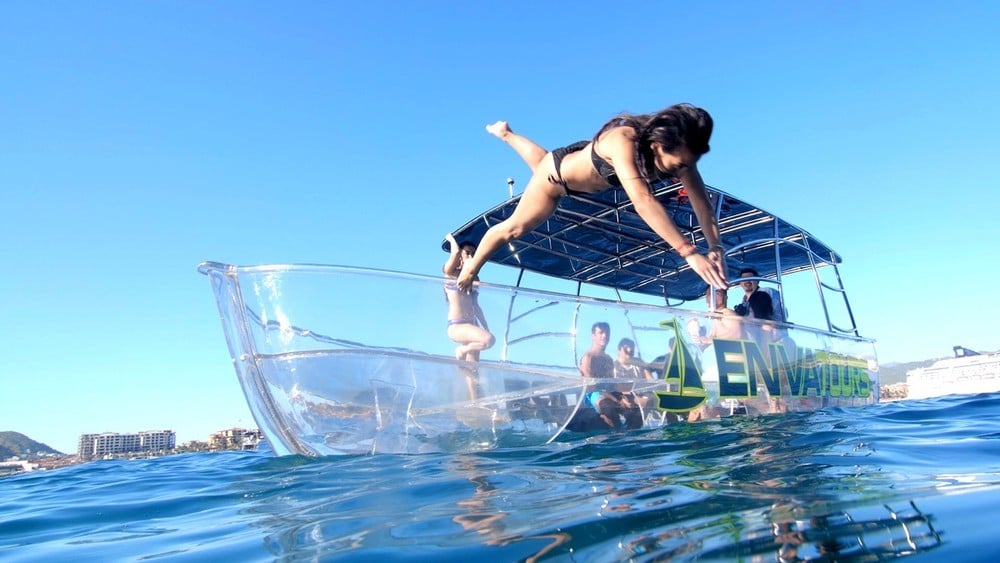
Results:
17 444
895 372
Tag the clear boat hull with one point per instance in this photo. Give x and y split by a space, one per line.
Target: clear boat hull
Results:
337 360
368 401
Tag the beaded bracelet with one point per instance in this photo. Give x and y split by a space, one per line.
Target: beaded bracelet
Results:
717 246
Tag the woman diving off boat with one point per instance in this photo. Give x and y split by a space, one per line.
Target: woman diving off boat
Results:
631 152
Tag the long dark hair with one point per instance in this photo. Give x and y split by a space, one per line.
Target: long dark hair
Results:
678 125
761 306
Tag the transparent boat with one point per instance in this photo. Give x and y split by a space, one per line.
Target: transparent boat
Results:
343 360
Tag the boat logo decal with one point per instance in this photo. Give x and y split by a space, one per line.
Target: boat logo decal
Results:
683 372
742 370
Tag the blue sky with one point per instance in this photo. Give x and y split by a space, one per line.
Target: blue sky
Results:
139 139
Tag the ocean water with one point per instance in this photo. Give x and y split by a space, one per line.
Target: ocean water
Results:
914 479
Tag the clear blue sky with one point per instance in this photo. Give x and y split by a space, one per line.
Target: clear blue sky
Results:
140 138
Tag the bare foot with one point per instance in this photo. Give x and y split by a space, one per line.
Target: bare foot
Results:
500 129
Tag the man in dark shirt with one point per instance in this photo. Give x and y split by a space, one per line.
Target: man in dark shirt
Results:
766 305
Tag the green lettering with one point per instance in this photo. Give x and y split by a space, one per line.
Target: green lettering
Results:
813 380
758 369
864 384
847 383
796 375
730 357
835 380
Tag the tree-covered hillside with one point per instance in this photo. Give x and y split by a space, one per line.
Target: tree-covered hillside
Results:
17 444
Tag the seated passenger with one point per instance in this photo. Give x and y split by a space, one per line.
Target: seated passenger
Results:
751 287
596 362
611 404
760 306
780 312
627 365
728 325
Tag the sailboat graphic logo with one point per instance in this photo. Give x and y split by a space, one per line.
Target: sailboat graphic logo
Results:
681 372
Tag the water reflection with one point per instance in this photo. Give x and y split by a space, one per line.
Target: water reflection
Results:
794 535
793 487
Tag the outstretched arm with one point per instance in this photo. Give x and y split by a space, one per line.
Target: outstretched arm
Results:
621 149
698 195
695 187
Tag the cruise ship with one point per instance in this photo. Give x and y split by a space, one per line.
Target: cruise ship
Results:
969 372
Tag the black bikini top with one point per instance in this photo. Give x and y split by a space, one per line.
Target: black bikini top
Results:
604 168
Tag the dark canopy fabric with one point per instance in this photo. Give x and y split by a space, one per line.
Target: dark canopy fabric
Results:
600 239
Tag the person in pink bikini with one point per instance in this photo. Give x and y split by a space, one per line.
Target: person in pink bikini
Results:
466 322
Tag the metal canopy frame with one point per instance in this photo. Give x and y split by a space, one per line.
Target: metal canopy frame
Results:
599 239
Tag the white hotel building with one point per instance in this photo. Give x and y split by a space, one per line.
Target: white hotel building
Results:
96 446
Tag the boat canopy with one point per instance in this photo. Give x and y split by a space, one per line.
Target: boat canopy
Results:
599 239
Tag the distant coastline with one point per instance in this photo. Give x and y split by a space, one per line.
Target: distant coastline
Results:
19 453
893 392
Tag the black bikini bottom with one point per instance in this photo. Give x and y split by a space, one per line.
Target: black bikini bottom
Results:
557 157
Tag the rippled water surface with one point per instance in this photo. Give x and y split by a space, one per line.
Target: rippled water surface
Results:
917 479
